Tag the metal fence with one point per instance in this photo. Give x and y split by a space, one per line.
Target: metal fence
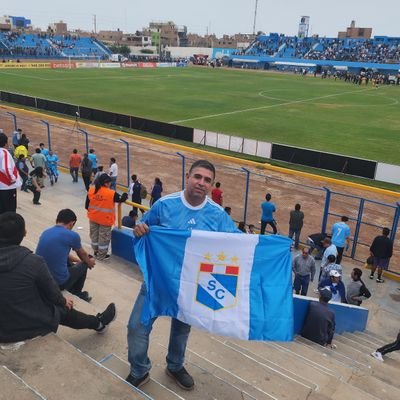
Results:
244 188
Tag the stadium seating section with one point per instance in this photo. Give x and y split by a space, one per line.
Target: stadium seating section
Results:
380 49
44 45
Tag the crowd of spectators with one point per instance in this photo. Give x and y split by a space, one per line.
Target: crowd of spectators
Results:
315 48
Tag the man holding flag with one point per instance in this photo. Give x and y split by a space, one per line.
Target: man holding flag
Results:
186 210
200 271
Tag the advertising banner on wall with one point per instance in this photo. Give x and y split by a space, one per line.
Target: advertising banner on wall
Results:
129 65
110 65
64 65
87 65
24 65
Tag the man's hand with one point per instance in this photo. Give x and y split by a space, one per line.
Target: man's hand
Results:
69 304
91 262
140 230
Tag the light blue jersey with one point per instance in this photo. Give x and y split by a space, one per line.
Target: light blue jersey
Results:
340 231
93 158
173 211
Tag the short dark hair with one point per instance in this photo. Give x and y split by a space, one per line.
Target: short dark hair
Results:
297 207
91 151
134 177
3 139
357 272
385 231
12 229
112 159
41 144
268 197
66 216
218 184
203 164
331 258
132 213
344 218
74 151
37 150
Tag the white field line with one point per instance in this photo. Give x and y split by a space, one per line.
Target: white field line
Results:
287 103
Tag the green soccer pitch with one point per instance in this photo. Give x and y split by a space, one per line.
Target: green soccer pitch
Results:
310 112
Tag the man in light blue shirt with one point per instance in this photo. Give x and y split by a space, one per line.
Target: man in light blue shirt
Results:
186 210
267 218
341 237
93 158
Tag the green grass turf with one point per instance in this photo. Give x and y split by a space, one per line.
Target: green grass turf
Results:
289 109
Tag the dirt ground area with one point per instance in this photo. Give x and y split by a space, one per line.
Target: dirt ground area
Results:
150 159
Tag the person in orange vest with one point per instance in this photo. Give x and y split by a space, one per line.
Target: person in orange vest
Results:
101 213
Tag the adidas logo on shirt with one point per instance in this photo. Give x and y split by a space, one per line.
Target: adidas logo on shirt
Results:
192 221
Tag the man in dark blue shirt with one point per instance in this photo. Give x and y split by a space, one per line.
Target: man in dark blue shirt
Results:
130 220
55 245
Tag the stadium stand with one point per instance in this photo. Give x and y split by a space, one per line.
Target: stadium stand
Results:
380 49
43 45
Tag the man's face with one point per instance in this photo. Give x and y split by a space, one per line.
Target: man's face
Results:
305 253
198 184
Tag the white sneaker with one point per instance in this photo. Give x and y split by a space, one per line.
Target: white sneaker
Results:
377 356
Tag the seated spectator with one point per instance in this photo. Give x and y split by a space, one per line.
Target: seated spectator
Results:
356 290
130 220
55 245
319 325
335 285
31 303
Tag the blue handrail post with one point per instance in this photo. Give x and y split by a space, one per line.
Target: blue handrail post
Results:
14 118
358 225
86 138
326 209
183 159
48 132
395 223
246 198
128 162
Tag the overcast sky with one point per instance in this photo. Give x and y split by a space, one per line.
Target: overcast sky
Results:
218 16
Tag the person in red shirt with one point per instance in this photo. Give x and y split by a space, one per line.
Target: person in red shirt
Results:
74 163
217 194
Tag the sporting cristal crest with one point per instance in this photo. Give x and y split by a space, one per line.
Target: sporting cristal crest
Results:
217 281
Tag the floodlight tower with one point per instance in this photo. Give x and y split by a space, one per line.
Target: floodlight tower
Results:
255 18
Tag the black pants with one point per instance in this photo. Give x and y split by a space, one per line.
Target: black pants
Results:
388 348
339 254
77 320
8 200
264 225
36 193
136 200
77 278
87 180
74 171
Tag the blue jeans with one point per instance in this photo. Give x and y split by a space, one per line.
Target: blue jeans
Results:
301 282
113 185
296 233
138 341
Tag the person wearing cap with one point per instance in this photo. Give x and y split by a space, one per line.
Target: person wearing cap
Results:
325 271
319 325
304 270
100 202
336 286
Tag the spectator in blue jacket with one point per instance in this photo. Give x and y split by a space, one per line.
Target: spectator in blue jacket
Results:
335 285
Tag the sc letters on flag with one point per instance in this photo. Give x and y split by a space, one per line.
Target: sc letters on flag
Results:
230 284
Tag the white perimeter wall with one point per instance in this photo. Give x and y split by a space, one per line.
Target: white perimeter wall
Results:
388 173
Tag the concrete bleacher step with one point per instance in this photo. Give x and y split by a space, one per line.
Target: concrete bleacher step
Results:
13 387
207 386
59 371
378 382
